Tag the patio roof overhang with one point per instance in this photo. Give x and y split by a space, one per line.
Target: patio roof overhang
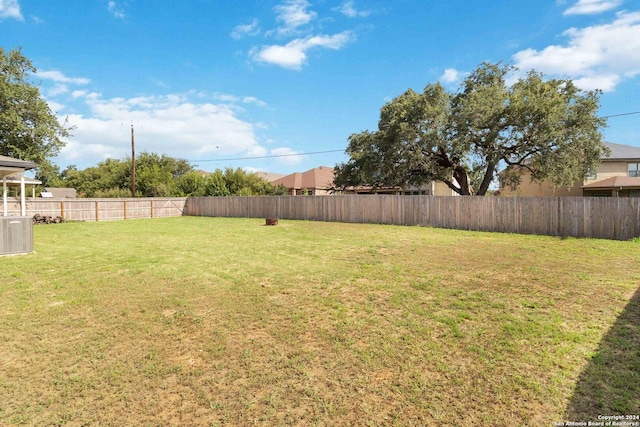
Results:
615 183
10 166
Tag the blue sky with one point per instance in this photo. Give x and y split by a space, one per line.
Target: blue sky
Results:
214 81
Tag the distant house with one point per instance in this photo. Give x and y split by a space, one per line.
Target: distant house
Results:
59 193
314 182
616 186
268 176
617 176
319 182
433 188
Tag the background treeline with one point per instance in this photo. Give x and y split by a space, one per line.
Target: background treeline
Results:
156 176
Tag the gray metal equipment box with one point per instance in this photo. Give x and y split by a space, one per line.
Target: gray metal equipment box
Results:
16 235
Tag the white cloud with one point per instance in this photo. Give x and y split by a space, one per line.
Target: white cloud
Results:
10 9
257 151
59 77
592 7
450 75
600 56
55 106
58 89
245 30
254 101
293 14
115 10
170 124
348 9
225 97
82 151
295 17
287 155
233 99
606 83
61 83
159 83
294 54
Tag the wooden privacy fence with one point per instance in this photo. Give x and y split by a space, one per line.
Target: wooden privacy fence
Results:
606 218
101 209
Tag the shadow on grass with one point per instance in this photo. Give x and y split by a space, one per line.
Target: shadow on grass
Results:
610 385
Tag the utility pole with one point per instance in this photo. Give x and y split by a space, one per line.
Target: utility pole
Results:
133 165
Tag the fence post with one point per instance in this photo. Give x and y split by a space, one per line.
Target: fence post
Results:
97 214
62 209
124 202
151 208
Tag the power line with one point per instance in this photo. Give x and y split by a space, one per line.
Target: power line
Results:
618 115
337 151
267 157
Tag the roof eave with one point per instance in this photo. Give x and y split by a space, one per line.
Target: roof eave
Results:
18 164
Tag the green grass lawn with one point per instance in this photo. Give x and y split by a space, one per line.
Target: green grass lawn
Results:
210 321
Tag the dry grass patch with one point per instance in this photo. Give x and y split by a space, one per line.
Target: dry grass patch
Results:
208 321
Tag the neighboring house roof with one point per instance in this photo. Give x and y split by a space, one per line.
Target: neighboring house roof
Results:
60 193
269 176
622 152
614 182
318 178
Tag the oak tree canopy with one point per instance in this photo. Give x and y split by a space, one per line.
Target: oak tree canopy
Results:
548 127
29 130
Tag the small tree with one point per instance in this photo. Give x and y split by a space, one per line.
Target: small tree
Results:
549 128
241 183
192 184
216 184
105 179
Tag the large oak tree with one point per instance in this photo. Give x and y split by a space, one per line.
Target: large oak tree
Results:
547 127
28 128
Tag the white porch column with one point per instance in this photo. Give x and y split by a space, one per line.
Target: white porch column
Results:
23 205
4 195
